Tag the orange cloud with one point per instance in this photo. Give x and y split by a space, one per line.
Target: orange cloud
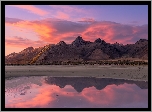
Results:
114 32
102 30
43 31
54 30
32 9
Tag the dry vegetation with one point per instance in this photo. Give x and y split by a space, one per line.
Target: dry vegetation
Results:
100 62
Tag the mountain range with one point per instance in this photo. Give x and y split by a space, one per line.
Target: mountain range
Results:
79 50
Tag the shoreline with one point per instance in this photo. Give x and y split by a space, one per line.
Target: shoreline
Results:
99 71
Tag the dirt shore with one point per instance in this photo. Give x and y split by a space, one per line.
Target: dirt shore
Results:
117 72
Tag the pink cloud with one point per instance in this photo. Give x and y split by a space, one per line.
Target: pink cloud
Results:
89 20
110 96
62 15
101 30
54 30
23 42
71 13
114 32
32 9
41 99
44 31
46 96
68 9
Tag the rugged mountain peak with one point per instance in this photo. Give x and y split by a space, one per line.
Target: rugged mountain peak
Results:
61 43
103 42
28 49
11 55
79 41
79 50
79 38
141 40
98 40
116 43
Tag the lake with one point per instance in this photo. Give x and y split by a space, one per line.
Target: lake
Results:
75 92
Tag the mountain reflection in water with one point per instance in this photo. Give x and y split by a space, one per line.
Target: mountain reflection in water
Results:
79 83
75 92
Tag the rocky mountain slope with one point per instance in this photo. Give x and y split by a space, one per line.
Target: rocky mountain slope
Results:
79 50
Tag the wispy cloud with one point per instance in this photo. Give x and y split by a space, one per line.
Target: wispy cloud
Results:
62 15
72 13
68 9
87 20
32 9
12 20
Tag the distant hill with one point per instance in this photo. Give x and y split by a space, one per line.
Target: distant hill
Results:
79 50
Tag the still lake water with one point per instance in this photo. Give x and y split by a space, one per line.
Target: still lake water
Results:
75 92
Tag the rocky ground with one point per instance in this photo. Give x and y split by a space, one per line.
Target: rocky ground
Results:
117 72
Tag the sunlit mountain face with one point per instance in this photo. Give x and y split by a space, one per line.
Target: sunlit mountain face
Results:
75 92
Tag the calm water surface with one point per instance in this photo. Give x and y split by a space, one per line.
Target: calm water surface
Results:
75 92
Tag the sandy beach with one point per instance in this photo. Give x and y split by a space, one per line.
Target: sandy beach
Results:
117 72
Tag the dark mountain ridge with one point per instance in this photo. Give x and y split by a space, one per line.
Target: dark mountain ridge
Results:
79 50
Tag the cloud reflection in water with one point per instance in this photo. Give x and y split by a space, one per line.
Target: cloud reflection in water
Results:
76 92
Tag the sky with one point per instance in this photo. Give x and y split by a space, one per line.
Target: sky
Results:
39 25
